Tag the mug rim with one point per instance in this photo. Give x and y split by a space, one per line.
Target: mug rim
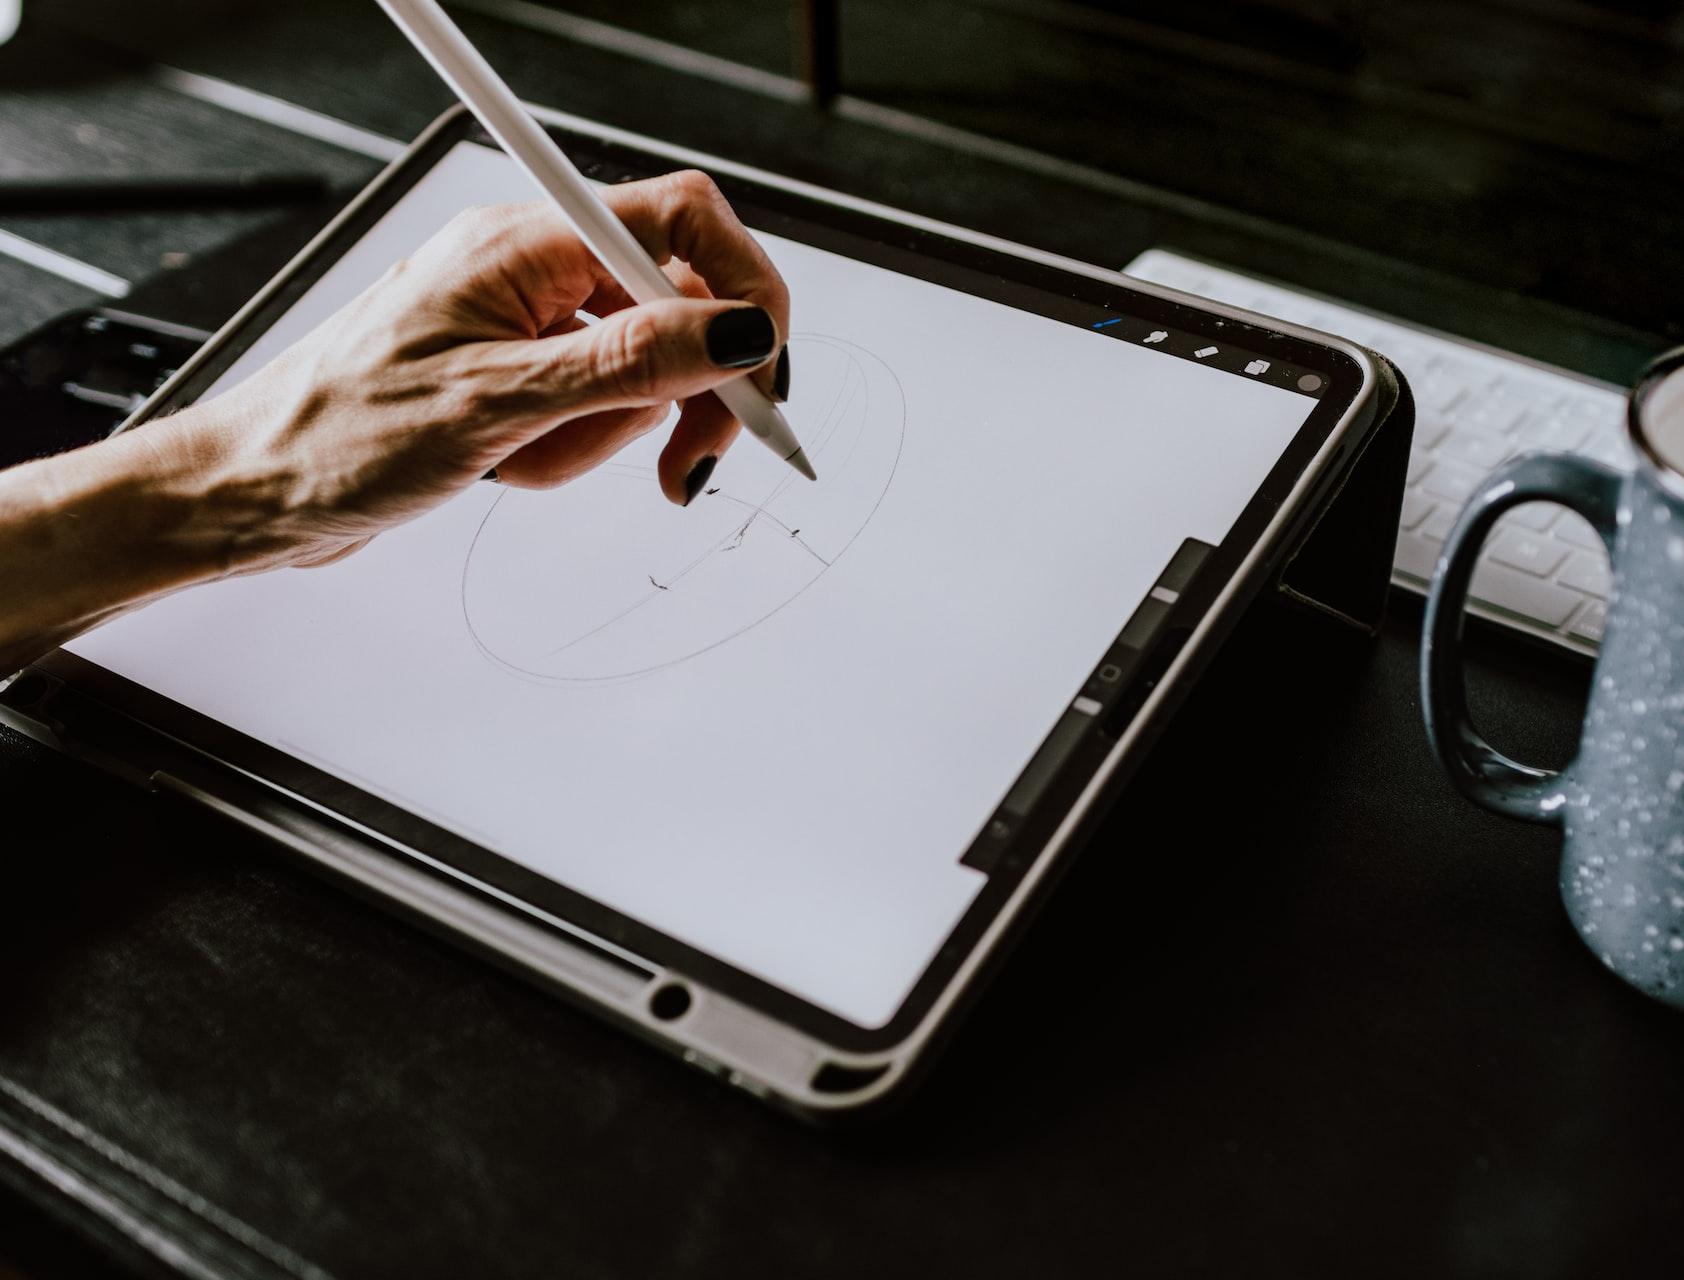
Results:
1659 370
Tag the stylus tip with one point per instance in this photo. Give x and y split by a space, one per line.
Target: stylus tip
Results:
798 460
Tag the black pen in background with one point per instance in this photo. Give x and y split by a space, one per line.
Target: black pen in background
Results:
185 191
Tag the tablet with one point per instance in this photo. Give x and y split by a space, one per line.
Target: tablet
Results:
768 778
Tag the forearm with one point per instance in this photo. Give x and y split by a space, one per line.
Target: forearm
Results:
90 533
474 354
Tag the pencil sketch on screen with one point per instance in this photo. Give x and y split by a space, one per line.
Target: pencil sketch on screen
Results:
609 581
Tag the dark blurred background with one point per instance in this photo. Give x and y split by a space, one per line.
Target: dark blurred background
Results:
1534 144
1533 149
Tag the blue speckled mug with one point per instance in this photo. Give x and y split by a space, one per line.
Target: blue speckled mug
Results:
1620 803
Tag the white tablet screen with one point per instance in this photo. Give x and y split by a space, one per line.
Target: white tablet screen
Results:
767 725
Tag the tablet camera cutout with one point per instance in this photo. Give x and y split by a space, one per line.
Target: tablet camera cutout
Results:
665 584
670 1001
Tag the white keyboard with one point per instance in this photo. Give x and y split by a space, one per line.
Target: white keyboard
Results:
1544 570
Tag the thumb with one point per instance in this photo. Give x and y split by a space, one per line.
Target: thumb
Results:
657 352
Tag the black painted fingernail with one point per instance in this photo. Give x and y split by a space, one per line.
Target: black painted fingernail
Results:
492 476
698 477
741 337
780 377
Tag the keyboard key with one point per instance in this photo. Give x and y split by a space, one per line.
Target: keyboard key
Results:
1439 524
1430 430
1575 530
1419 464
1518 549
1591 622
1541 398
1439 390
1594 409
1452 481
1495 410
1613 452
1471 446
1559 435
1416 508
1536 516
1586 571
1515 592
1416 556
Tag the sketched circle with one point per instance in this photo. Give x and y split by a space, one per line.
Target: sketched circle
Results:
603 580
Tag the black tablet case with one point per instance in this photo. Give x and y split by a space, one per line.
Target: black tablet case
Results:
196 1052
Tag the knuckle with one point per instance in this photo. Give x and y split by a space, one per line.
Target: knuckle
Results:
471 223
482 226
695 186
629 360
695 204
470 216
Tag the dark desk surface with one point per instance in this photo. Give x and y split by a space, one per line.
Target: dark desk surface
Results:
1297 1010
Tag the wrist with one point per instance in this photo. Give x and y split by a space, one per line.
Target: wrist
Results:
88 534
165 506
218 506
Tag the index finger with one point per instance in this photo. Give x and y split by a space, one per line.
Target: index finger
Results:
685 216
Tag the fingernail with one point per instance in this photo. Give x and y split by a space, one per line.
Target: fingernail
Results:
780 377
492 476
698 477
741 337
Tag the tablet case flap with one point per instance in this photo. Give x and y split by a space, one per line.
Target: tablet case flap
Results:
1342 565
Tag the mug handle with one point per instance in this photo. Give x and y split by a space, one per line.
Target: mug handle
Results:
1479 770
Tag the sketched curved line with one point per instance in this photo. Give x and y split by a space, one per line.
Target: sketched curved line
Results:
756 512
538 677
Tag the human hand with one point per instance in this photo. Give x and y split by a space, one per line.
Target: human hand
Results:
474 354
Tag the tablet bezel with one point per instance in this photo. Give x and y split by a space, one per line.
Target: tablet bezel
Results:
948 255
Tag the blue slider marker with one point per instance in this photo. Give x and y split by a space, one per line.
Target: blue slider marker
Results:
1105 323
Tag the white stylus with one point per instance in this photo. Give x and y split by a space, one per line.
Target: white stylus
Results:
467 72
